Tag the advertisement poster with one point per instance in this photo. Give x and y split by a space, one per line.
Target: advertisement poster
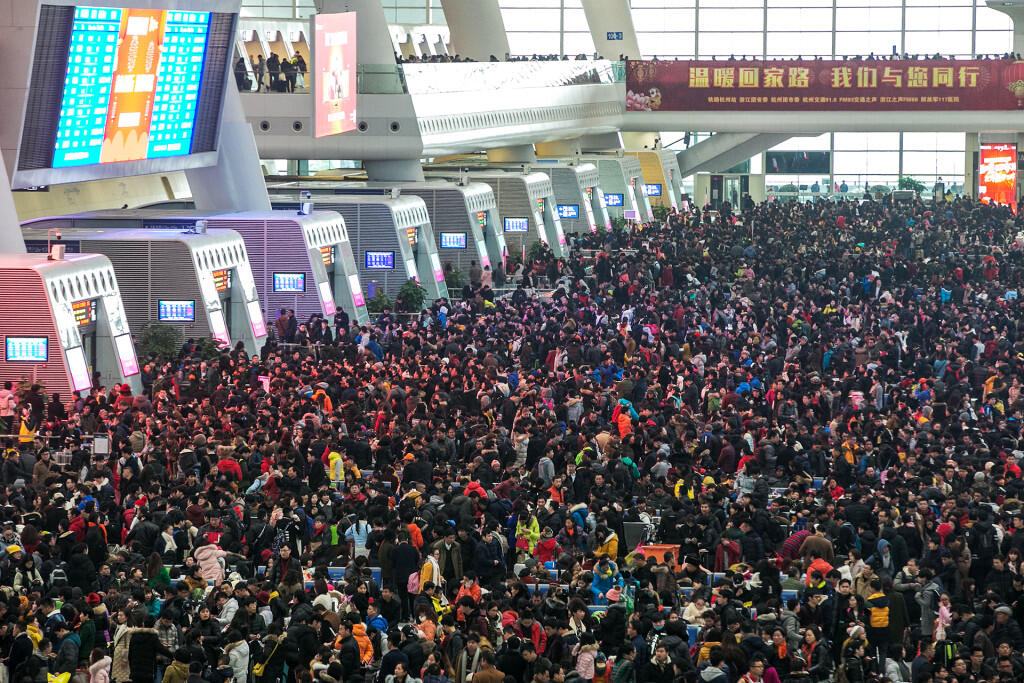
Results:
334 84
997 173
826 85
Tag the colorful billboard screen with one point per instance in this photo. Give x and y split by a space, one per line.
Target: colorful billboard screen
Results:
825 85
997 173
334 84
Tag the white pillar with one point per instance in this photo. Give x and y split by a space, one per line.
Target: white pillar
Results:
477 29
373 37
1014 10
236 182
11 240
610 18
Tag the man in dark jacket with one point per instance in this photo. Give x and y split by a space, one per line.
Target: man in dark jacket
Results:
348 653
145 646
488 560
283 563
302 637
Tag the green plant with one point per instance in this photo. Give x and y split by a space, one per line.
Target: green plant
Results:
454 279
410 297
378 303
618 224
908 183
660 213
790 187
207 348
159 340
884 189
536 251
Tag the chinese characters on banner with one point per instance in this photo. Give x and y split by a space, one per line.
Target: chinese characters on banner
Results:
997 173
827 85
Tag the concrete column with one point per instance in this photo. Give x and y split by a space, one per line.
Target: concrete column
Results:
374 44
1014 10
11 240
477 29
610 18
236 183
516 154
398 170
972 144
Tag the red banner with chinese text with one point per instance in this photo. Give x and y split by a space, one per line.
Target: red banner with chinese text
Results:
827 85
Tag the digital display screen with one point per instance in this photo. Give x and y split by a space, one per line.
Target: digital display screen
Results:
517 225
613 200
334 78
219 328
78 369
222 280
132 85
590 193
653 190
176 311
481 219
357 290
413 233
84 312
259 326
27 349
126 354
326 297
568 210
380 260
327 254
997 173
289 282
540 205
453 240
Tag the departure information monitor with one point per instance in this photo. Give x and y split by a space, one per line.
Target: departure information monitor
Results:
132 85
121 85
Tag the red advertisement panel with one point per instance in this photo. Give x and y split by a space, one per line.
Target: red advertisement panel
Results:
334 80
826 85
997 173
133 88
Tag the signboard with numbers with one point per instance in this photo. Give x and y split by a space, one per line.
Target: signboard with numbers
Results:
827 85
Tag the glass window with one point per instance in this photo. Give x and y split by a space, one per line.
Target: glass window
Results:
530 20
942 42
730 20
866 141
930 141
938 163
938 18
664 19
864 43
577 43
666 44
993 42
576 20
530 43
993 20
869 19
784 44
797 19
872 162
801 144
725 44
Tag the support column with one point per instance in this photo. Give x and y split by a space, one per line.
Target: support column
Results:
399 170
1014 10
374 44
236 183
11 240
519 154
972 145
610 18
477 29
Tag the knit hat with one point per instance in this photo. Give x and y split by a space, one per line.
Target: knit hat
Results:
93 599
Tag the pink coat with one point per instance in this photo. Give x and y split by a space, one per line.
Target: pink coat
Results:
207 556
100 671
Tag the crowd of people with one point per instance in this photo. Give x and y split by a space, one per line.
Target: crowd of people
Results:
811 413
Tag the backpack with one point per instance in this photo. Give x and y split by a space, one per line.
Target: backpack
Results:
412 585
987 544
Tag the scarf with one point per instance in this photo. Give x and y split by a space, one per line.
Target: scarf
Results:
171 546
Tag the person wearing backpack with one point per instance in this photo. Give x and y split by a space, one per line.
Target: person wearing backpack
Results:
981 539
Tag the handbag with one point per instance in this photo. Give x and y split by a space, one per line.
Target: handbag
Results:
259 669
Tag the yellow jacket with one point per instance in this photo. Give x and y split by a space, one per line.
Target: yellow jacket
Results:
610 547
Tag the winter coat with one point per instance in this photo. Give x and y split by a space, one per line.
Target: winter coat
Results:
120 671
99 672
238 658
207 556
273 659
176 672
67 654
142 651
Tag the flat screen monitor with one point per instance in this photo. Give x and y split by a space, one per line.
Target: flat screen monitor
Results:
27 349
126 355
614 199
78 369
290 282
124 89
568 210
517 225
453 240
653 190
334 73
380 260
175 311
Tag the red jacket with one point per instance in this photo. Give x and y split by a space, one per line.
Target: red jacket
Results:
537 635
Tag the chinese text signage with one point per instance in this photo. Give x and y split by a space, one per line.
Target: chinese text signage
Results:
997 173
826 85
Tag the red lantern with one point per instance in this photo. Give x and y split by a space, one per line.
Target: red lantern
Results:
1013 77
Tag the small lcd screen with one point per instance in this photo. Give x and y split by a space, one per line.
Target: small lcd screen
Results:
176 311
289 282
568 210
613 200
380 260
517 225
453 240
222 280
653 190
27 349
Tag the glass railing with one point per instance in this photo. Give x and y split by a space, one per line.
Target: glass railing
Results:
447 77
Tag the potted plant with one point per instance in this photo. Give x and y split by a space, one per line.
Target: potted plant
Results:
410 297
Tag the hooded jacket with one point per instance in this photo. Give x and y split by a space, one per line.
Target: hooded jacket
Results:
712 674
176 672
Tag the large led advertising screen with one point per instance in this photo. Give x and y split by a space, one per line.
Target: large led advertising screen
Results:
997 173
120 91
334 73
